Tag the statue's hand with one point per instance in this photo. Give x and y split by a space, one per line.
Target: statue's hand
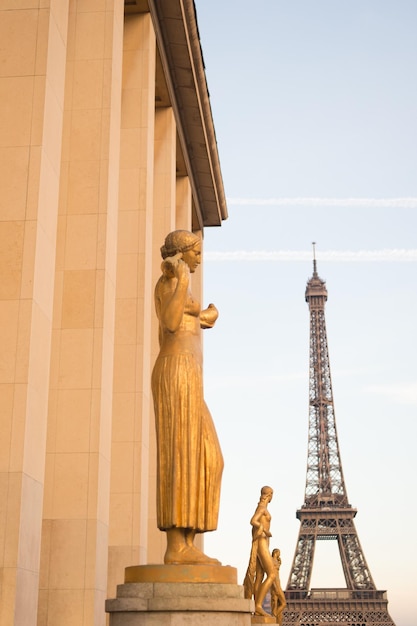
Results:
170 265
257 531
181 269
175 267
209 316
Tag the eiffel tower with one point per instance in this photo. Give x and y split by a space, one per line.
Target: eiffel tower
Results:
326 513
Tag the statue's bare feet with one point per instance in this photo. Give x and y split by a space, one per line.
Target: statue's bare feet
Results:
259 611
188 555
203 558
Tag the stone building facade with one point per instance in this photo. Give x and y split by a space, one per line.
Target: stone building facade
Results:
106 144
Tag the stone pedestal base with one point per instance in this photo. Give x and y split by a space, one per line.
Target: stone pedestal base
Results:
180 595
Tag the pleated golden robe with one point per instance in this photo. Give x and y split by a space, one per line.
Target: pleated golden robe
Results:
189 458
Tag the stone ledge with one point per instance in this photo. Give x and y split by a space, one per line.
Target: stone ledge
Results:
179 604
173 590
126 605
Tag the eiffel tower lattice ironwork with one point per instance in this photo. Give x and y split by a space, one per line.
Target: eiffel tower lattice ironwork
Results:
326 513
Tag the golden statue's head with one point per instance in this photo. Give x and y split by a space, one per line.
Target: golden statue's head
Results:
178 241
267 493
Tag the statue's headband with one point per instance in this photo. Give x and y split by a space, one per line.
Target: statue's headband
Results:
174 249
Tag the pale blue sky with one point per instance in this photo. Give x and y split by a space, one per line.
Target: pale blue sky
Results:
315 101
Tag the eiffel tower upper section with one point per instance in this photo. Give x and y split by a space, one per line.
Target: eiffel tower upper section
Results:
325 485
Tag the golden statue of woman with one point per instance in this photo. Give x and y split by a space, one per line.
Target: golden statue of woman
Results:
189 459
261 571
278 602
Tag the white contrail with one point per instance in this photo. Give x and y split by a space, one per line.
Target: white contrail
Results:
408 203
306 255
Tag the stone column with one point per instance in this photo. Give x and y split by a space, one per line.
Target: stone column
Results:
77 478
183 203
32 71
132 417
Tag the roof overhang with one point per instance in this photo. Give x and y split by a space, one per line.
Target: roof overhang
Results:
178 42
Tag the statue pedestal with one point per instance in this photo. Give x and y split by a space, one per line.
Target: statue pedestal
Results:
175 595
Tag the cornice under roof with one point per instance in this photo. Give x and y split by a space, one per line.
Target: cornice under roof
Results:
176 29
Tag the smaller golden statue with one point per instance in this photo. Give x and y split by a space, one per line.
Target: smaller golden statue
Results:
278 602
262 568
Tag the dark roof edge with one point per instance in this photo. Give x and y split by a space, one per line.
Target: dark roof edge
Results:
211 205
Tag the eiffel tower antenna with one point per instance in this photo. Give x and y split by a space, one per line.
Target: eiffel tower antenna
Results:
326 513
314 259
